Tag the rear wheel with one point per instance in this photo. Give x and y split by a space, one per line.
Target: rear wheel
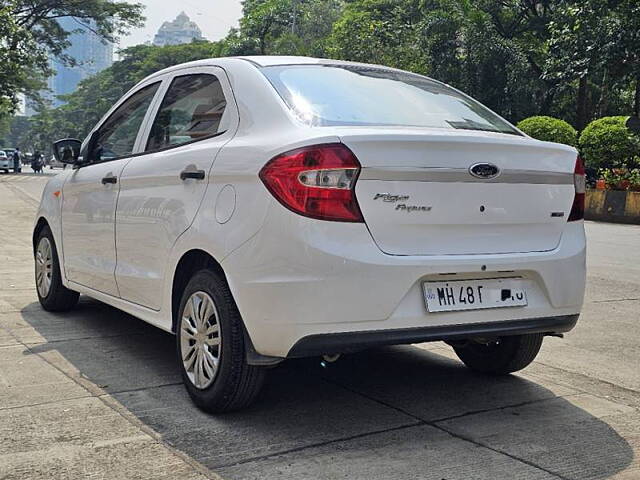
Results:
501 356
52 294
211 349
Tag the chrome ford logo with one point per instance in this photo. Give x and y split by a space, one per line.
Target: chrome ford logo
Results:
484 170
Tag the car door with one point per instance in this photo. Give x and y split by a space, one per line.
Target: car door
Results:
90 194
161 190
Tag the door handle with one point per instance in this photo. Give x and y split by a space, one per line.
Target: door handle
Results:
197 174
109 179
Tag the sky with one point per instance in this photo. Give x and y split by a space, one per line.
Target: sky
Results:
214 17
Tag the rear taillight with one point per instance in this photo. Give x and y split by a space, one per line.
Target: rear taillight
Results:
579 183
316 182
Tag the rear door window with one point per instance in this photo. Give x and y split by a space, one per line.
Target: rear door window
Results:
192 109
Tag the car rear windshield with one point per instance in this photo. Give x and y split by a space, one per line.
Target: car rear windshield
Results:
334 94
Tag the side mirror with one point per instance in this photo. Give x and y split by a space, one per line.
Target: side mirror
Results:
67 150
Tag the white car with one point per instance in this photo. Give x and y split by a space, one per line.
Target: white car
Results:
6 163
55 163
264 208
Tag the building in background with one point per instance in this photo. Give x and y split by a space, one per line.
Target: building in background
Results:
91 54
180 30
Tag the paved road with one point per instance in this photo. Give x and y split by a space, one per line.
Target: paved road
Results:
96 394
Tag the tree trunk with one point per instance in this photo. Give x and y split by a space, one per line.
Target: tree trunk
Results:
636 103
603 102
581 113
263 42
547 100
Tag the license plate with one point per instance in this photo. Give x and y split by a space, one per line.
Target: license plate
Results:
474 294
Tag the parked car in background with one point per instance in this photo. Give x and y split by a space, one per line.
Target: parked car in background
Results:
53 162
6 163
266 208
10 165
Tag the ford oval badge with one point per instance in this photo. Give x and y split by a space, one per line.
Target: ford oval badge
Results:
484 170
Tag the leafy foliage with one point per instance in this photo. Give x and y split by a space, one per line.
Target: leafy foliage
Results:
607 142
621 178
95 95
29 33
575 60
379 31
549 129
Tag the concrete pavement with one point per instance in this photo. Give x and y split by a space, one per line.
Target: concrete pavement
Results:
96 393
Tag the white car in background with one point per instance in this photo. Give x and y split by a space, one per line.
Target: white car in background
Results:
265 208
55 163
6 163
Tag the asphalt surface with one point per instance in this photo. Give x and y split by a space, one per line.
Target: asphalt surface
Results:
96 393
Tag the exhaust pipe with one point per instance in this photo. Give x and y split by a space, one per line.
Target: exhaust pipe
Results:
329 358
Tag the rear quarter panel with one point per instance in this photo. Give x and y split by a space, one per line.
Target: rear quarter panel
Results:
266 129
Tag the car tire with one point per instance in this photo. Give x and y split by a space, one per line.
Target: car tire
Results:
52 294
231 383
501 357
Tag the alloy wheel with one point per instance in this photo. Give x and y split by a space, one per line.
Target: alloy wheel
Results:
200 339
44 266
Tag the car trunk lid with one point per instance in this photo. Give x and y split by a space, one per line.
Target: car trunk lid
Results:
418 195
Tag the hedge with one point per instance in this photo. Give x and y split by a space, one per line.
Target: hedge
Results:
549 129
608 142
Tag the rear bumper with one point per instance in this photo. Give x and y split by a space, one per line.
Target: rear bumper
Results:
353 341
299 282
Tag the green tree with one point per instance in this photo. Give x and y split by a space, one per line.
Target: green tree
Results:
17 129
385 32
283 27
95 95
628 46
580 38
263 20
30 33
491 50
571 59
595 45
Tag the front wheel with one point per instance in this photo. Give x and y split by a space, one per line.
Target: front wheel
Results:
501 356
211 347
52 294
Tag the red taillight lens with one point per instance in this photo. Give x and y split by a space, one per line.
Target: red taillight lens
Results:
316 182
580 184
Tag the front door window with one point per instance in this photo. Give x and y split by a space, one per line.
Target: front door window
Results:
116 137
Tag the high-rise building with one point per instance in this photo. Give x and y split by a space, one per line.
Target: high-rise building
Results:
180 30
91 54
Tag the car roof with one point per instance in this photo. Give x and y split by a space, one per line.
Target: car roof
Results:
260 61
272 60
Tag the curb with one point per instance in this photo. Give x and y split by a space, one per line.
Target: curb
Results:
618 206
